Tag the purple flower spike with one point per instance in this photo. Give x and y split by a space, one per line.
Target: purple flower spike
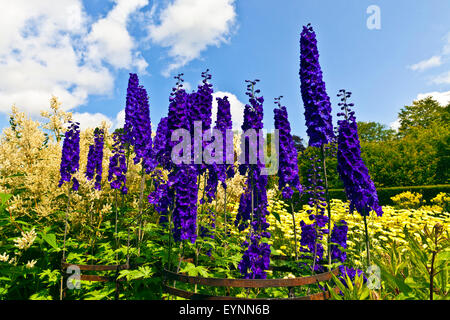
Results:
256 256
288 166
358 185
142 132
117 173
70 157
161 152
95 159
131 109
317 103
339 236
183 178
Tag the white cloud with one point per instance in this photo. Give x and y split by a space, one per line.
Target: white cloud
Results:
119 121
90 120
93 120
443 78
442 97
110 41
395 125
42 52
188 27
236 108
434 61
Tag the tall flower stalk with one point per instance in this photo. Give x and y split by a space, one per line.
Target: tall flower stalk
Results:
183 178
317 104
288 162
224 170
256 257
358 185
70 158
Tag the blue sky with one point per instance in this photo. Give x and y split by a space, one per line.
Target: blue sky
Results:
83 51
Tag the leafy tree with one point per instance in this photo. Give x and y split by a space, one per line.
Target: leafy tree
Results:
374 131
424 114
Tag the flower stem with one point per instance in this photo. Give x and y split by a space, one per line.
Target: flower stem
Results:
367 239
141 196
65 235
327 198
295 229
115 229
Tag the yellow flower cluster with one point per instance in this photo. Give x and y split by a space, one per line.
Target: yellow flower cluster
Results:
407 200
441 199
382 230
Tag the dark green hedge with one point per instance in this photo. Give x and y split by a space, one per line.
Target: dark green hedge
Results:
384 194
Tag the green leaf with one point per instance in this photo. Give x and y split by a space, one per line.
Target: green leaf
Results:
333 293
50 238
4 197
277 216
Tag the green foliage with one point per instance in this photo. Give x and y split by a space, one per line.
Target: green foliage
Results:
418 155
349 290
417 270
412 160
374 132
424 113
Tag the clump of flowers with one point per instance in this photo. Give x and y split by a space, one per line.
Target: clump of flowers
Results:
317 103
4 257
351 273
407 200
442 200
339 240
95 159
70 156
26 240
30 264
288 166
185 212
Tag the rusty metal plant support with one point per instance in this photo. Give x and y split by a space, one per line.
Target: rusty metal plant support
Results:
245 283
97 278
